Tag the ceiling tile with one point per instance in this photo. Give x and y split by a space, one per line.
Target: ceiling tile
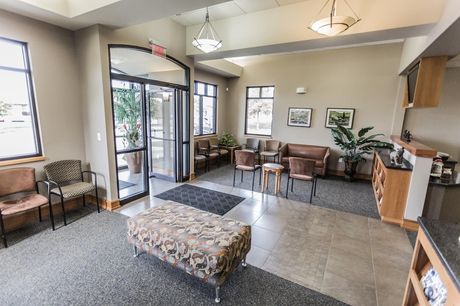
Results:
220 11
250 6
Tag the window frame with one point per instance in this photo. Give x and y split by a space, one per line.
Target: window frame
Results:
32 101
201 96
246 109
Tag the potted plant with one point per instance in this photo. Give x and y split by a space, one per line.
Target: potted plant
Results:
356 146
227 139
127 116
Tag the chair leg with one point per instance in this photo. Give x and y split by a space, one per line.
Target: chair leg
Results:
2 227
242 175
287 188
84 201
253 177
316 183
51 213
63 211
292 185
312 189
40 213
97 201
260 175
234 174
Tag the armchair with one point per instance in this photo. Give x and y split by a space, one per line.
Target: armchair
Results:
12 183
271 149
66 180
252 144
204 148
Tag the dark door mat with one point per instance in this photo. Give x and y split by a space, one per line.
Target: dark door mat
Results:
205 199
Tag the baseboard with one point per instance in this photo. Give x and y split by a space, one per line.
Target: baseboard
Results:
360 176
192 176
106 204
410 225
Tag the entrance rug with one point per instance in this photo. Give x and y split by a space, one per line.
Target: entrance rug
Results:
125 184
205 199
89 262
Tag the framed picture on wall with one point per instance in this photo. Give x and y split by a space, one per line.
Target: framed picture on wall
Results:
344 116
299 116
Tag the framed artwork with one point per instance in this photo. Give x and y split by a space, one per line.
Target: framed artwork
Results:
298 116
343 115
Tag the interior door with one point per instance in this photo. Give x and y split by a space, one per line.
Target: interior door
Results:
161 102
130 139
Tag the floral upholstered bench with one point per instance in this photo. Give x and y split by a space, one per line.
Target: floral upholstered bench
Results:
203 244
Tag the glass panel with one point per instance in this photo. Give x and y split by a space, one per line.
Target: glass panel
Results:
185 116
268 92
131 175
162 111
11 54
127 104
259 116
196 115
16 122
253 92
208 115
211 90
144 64
200 87
162 162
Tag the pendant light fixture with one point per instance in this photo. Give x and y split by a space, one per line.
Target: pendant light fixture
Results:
333 24
207 40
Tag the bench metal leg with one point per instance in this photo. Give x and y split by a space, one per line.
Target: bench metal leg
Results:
243 263
217 299
136 251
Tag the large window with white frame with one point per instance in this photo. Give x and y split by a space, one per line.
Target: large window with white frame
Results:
19 134
259 110
205 109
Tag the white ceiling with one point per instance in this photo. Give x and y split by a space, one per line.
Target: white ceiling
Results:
230 9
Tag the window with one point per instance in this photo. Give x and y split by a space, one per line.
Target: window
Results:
259 110
205 106
19 134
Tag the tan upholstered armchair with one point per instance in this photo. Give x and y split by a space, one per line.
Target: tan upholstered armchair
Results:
19 193
66 180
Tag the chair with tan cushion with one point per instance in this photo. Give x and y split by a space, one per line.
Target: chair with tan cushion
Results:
199 158
19 193
304 170
271 149
204 148
214 144
66 179
246 161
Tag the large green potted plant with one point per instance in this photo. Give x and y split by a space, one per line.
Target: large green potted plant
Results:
227 139
127 116
355 147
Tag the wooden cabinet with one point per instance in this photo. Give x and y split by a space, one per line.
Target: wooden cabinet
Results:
428 87
423 259
391 187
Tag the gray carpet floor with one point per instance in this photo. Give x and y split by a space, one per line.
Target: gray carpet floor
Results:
332 192
89 262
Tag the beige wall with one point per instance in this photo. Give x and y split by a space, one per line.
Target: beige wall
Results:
57 89
222 84
364 78
440 127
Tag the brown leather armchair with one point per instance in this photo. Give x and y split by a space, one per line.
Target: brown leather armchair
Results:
319 154
20 193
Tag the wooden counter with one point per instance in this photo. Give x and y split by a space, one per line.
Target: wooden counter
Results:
414 147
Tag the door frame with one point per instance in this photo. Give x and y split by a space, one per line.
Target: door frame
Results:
179 133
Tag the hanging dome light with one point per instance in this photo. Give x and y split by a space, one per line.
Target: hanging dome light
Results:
207 39
334 25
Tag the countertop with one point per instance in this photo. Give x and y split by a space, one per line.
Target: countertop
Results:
385 157
454 181
444 239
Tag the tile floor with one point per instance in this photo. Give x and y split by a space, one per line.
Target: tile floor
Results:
355 259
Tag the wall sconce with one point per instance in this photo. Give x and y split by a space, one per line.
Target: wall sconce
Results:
301 90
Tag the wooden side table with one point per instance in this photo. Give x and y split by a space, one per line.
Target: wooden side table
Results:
277 169
231 151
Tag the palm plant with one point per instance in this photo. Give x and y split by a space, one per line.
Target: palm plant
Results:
355 147
128 113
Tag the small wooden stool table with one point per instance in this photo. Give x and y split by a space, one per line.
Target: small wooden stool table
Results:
274 168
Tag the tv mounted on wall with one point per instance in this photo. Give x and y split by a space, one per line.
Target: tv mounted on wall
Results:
412 82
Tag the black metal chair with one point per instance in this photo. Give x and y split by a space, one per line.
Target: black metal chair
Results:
67 178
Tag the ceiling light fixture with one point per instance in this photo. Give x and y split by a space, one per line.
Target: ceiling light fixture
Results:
207 39
333 24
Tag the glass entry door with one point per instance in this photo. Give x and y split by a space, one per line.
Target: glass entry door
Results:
162 131
130 138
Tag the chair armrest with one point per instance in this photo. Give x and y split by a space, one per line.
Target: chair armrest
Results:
44 183
94 174
53 183
326 156
283 151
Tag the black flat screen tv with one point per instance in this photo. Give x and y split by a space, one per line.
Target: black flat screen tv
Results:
412 82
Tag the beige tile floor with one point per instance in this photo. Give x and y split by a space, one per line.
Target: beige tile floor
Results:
355 259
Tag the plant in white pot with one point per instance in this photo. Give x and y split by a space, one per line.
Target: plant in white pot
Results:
355 147
128 115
